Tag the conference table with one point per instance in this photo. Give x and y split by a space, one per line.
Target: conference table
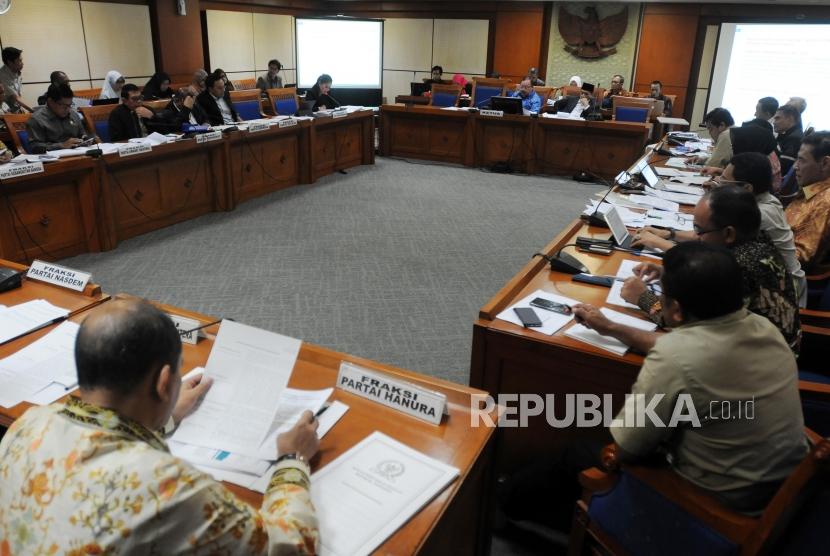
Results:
454 522
84 204
531 145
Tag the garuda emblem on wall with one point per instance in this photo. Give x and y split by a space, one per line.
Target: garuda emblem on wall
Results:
592 37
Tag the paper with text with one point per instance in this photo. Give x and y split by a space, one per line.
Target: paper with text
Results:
584 334
28 316
551 322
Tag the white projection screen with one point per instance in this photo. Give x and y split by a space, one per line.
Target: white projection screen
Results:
350 50
756 60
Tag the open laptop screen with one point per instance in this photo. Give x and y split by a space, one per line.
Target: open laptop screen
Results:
615 222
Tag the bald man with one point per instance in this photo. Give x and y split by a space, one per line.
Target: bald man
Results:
96 472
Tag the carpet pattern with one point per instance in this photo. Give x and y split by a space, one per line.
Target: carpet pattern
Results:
389 262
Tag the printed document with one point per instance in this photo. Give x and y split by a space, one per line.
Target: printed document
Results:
584 334
372 490
250 368
626 270
28 316
551 321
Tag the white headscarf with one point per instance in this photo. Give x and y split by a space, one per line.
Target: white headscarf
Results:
577 79
108 90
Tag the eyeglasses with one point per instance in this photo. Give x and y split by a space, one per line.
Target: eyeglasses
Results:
138 98
64 105
701 232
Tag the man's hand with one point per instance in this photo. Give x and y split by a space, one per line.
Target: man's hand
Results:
301 439
593 318
632 289
648 272
6 156
651 241
188 101
192 391
71 142
711 171
144 112
659 232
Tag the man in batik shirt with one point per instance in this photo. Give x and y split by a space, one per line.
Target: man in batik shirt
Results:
93 476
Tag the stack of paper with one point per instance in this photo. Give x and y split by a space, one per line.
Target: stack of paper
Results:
673 197
27 317
584 334
551 321
626 270
372 490
41 372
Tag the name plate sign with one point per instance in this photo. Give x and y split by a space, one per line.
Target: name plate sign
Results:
339 114
209 136
134 148
494 113
17 170
185 327
58 275
258 126
408 398
290 122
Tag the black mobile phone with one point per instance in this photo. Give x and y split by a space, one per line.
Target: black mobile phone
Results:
596 280
548 305
528 317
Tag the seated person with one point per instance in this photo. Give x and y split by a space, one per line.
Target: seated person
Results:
531 101
717 123
765 109
228 83
319 93
5 153
728 217
197 85
799 103
809 212
272 79
55 78
616 90
657 93
717 351
435 77
112 485
128 119
158 87
182 109
56 125
787 124
575 105
533 74
575 81
753 137
752 171
215 103
112 85
461 81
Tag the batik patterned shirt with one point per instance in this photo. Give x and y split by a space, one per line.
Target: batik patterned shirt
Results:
77 479
809 216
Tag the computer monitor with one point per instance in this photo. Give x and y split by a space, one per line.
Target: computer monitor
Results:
508 105
102 101
418 88
621 236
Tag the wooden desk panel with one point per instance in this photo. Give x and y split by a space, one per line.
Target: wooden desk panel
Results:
507 139
341 143
267 161
427 133
174 183
51 215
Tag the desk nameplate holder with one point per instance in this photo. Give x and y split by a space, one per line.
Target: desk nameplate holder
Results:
290 122
209 136
18 170
405 397
184 323
57 275
339 114
134 148
258 126
493 113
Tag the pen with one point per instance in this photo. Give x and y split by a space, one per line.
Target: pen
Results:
321 410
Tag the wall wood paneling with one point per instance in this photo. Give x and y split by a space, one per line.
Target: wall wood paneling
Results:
177 39
518 42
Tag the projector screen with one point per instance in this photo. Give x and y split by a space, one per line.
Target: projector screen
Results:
351 51
778 60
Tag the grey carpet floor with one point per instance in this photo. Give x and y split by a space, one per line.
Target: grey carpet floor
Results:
390 262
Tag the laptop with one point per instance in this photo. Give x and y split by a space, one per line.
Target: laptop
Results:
621 236
103 101
650 176
418 88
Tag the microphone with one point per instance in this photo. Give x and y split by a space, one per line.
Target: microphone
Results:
593 218
565 262
186 332
337 102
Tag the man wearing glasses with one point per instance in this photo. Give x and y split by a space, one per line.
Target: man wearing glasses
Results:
729 217
56 126
126 121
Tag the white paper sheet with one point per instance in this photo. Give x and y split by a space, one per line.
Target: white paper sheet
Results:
551 322
291 405
685 188
584 334
689 180
626 270
250 368
654 201
26 317
371 490
48 363
672 197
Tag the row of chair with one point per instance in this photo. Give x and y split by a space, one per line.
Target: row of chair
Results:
239 85
247 104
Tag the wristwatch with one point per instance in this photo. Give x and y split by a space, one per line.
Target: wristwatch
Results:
292 456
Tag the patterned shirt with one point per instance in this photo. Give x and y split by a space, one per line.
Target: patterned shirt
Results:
769 289
78 479
809 216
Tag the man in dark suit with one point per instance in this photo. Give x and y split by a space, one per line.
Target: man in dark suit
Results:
127 119
182 109
216 103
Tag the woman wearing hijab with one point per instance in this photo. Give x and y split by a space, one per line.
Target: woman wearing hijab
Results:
112 85
575 81
754 138
158 87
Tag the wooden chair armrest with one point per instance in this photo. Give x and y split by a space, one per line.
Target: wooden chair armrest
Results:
596 480
814 317
818 277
